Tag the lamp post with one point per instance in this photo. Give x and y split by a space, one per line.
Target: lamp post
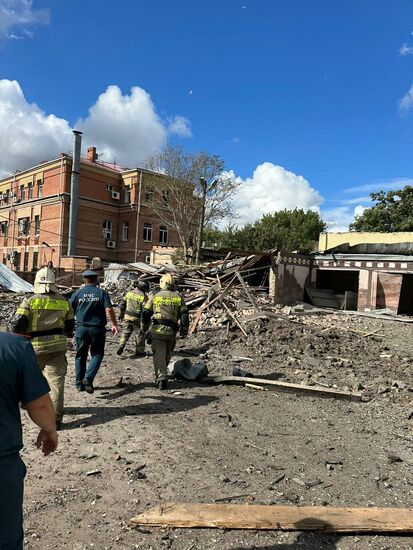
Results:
205 188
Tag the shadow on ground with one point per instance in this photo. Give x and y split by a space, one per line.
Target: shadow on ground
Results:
159 404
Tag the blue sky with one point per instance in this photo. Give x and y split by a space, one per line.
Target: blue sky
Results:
313 88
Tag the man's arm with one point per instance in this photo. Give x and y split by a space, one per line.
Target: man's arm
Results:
19 323
147 313
42 413
112 316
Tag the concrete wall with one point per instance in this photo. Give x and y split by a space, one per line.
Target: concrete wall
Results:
289 277
330 240
388 290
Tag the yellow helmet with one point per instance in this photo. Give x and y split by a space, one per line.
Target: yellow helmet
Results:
166 281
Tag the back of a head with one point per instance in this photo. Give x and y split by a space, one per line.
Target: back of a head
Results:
90 276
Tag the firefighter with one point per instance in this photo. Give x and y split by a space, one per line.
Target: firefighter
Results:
163 315
47 317
130 313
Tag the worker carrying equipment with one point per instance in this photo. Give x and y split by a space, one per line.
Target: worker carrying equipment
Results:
47 317
130 313
164 315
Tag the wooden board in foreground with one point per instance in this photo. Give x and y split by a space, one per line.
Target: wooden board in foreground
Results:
288 518
276 385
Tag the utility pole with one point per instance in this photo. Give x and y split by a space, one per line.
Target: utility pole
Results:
205 188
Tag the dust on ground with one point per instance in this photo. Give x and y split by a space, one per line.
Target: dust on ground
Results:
197 443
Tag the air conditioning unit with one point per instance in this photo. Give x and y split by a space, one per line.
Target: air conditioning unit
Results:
110 244
116 195
16 199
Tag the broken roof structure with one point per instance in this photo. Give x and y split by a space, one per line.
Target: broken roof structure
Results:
11 281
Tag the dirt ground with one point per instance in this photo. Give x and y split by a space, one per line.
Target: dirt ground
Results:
202 443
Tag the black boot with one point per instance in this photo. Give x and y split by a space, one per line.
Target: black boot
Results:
163 384
120 349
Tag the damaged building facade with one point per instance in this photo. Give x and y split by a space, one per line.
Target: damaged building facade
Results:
353 271
114 215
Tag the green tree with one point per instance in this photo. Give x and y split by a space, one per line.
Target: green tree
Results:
288 229
392 212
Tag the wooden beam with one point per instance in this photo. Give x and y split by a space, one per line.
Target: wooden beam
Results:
207 304
284 386
234 318
247 292
289 518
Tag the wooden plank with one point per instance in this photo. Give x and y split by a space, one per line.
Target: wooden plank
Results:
284 386
206 305
274 517
247 292
234 319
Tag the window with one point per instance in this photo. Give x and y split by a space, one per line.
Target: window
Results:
26 262
4 229
37 225
127 194
166 198
15 260
109 187
39 189
147 232
107 229
125 231
149 195
35 260
22 193
30 191
163 234
23 226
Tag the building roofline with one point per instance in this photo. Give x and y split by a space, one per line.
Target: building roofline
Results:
20 173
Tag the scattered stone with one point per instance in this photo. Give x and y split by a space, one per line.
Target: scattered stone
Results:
93 472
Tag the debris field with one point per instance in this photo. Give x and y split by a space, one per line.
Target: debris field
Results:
130 447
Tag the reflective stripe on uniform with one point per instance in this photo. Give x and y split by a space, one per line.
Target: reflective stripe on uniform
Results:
161 300
49 344
49 304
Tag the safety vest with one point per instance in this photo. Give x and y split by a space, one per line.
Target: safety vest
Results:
46 315
134 304
167 308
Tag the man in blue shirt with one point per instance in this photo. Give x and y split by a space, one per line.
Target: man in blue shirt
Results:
92 306
21 381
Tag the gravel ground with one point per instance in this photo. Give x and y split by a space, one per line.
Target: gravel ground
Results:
202 443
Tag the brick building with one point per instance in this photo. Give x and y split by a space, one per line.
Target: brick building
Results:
114 217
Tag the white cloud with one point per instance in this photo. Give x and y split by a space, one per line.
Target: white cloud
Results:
272 188
392 184
338 219
126 127
180 126
123 126
406 102
18 16
27 134
406 50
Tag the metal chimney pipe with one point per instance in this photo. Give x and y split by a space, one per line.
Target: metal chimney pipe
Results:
74 193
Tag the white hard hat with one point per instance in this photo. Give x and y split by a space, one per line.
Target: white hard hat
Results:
45 275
